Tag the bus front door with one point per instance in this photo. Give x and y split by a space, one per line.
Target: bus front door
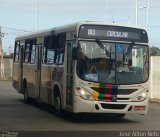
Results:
38 71
69 83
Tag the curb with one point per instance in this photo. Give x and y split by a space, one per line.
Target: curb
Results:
154 100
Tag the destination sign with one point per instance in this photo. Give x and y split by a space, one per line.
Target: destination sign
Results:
116 33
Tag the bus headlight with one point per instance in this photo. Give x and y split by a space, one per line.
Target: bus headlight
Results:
85 94
141 97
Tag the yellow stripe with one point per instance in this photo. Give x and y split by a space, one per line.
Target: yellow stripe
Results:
95 93
96 99
96 84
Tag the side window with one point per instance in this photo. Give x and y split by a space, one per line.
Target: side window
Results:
49 46
16 51
27 52
43 55
61 57
50 56
61 41
33 53
55 48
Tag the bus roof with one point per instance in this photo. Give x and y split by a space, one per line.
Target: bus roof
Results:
67 28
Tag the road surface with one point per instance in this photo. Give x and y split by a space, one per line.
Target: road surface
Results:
15 115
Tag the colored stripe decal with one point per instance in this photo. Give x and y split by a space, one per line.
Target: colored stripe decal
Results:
107 96
106 92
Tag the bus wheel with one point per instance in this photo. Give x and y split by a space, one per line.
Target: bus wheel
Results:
25 94
57 105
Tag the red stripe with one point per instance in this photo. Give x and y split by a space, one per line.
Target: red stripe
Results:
107 96
108 86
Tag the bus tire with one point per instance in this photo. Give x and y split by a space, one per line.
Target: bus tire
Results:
57 105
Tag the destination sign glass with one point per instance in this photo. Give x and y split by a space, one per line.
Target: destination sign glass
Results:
116 33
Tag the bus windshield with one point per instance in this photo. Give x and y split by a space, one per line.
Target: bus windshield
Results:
115 63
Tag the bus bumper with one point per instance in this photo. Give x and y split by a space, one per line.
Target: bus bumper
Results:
86 106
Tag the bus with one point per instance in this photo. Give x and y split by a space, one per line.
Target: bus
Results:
85 67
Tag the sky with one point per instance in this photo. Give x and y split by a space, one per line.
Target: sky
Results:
20 16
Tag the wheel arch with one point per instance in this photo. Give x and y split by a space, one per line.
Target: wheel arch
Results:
55 92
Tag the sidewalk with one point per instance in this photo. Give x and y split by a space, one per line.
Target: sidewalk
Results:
154 100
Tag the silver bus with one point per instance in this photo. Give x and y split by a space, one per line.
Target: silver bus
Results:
85 67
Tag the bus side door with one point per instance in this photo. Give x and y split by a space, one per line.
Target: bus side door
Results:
20 66
38 63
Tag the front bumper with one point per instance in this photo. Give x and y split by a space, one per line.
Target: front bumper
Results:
85 106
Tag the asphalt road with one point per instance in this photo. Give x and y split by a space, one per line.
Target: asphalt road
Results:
15 115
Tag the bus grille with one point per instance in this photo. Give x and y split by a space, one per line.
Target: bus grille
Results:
113 106
119 91
126 91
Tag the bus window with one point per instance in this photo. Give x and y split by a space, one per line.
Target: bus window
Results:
50 56
29 51
44 55
16 52
49 44
33 54
55 49
61 58
26 53
61 41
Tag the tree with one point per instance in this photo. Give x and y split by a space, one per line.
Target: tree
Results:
154 51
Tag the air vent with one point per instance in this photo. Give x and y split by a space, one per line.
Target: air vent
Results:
126 91
113 106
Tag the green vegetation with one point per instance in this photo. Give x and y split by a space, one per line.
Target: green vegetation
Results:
155 51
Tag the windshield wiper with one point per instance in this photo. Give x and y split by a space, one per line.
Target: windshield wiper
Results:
100 44
129 51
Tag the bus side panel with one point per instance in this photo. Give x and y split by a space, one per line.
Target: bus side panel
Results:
15 76
29 75
46 92
57 80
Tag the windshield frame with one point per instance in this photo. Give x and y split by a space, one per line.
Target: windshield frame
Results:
115 69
